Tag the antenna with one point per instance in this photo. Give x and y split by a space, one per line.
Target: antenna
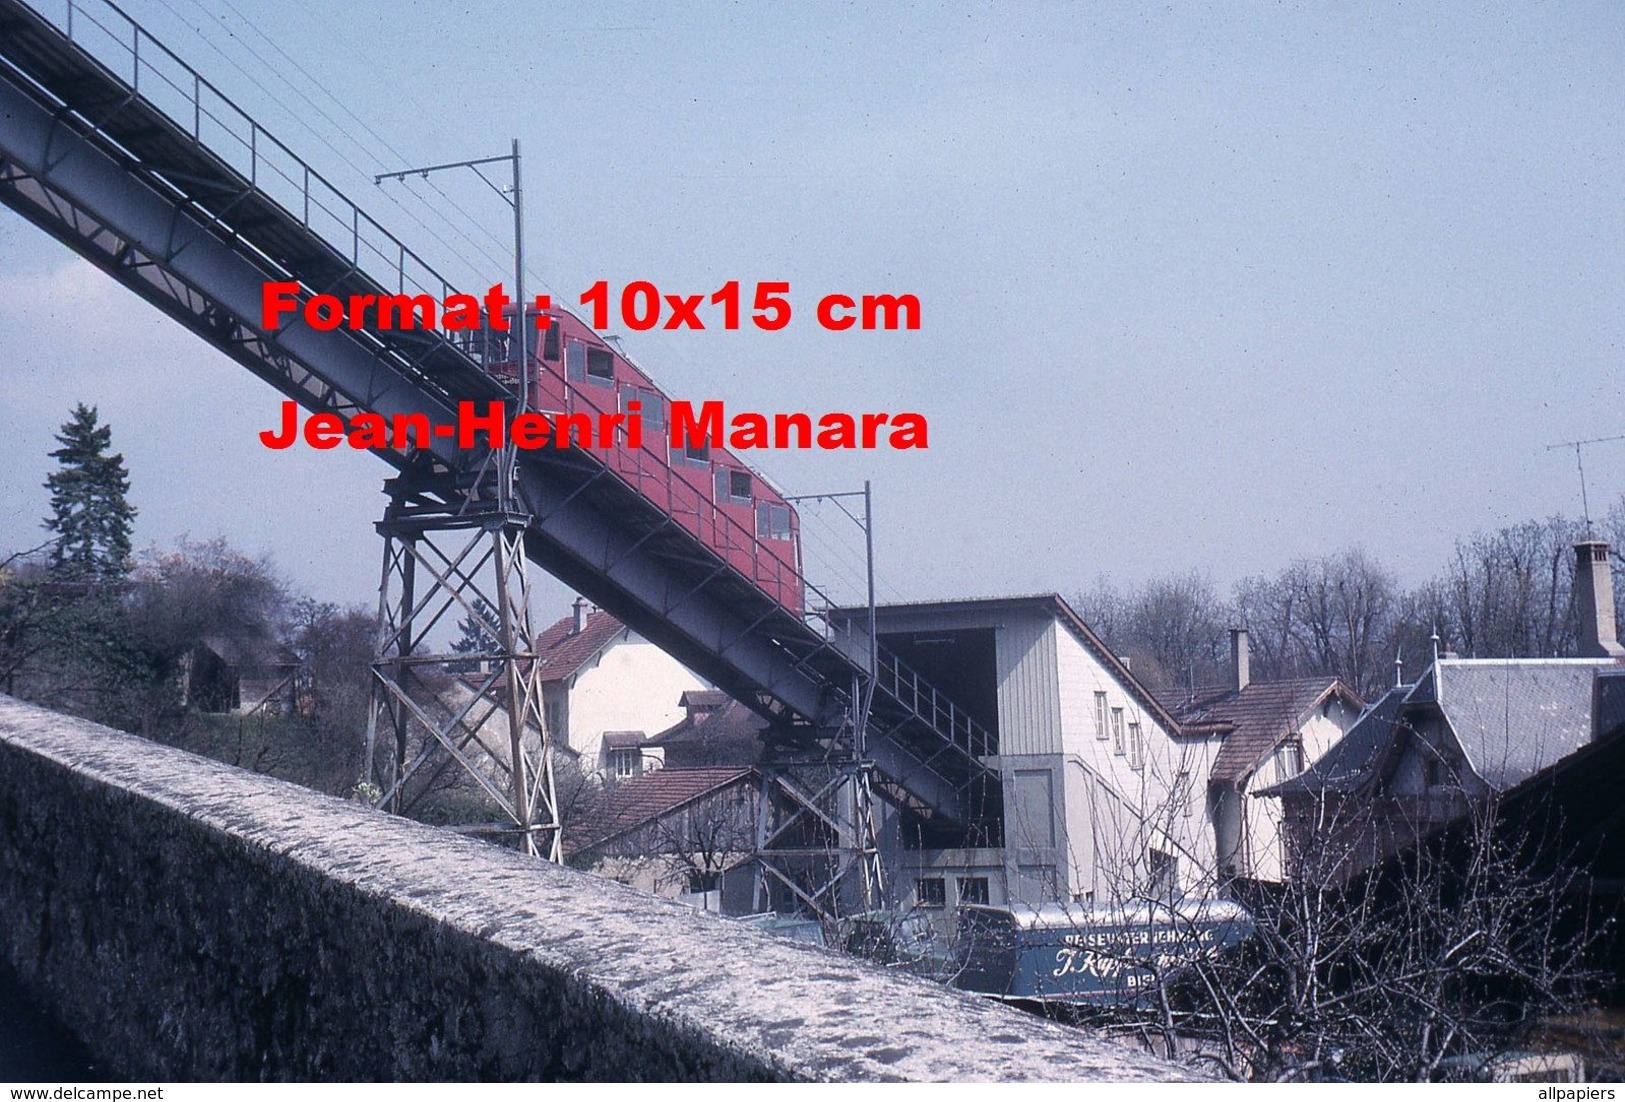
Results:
1579 463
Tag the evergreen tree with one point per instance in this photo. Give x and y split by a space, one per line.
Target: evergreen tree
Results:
90 514
479 629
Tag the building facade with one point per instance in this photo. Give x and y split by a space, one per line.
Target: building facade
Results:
1102 792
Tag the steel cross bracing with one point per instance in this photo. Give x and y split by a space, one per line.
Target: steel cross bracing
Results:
452 549
117 148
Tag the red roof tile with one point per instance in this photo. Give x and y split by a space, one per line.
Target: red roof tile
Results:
638 801
563 650
1254 721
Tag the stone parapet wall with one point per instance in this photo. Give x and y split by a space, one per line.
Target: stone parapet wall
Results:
190 920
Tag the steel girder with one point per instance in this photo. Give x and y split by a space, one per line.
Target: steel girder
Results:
169 237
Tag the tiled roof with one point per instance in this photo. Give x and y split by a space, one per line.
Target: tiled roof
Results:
1255 720
730 735
563 651
1352 758
641 800
704 698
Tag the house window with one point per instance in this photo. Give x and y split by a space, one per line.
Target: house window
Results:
931 891
1290 758
1433 773
553 716
600 365
772 521
1117 731
1182 793
626 763
733 486
1164 874
1100 716
973 889
1136 746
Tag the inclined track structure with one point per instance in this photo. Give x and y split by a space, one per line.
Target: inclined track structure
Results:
117 148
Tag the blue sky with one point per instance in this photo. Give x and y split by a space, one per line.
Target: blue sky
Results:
1206 287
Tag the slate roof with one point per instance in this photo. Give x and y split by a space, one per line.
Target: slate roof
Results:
1355 756
638 801
623 740
564 651
1255 720
1513 717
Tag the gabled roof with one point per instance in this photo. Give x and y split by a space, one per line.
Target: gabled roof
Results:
1255 720
638 801
1355 757
249 652
1513 717
729 734
563 651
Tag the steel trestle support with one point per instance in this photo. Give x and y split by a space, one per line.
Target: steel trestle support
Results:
452 552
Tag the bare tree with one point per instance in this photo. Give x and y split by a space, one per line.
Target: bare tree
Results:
1407 971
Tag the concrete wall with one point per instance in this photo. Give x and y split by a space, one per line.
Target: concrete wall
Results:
194 921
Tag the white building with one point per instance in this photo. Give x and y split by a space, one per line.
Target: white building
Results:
604 687
1103 794
1268 732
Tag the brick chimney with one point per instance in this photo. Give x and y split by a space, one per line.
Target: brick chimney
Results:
581 609
1594 597
1240 659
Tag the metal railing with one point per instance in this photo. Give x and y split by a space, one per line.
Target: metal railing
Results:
128 51
268 166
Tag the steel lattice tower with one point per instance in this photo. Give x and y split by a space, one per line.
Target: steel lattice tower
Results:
454 546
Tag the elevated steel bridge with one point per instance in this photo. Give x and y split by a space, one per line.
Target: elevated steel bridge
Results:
116 147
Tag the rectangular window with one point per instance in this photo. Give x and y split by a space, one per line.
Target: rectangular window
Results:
772 521
1136 746
626 762
973 889
732 486
600 365
1289 759
1117 731
1182 793
1164 875
1100 715
696 455
575 367
931 891
651 407
550 344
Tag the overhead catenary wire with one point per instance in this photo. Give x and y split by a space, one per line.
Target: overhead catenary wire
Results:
484 259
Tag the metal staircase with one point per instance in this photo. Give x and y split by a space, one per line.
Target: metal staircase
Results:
113 145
